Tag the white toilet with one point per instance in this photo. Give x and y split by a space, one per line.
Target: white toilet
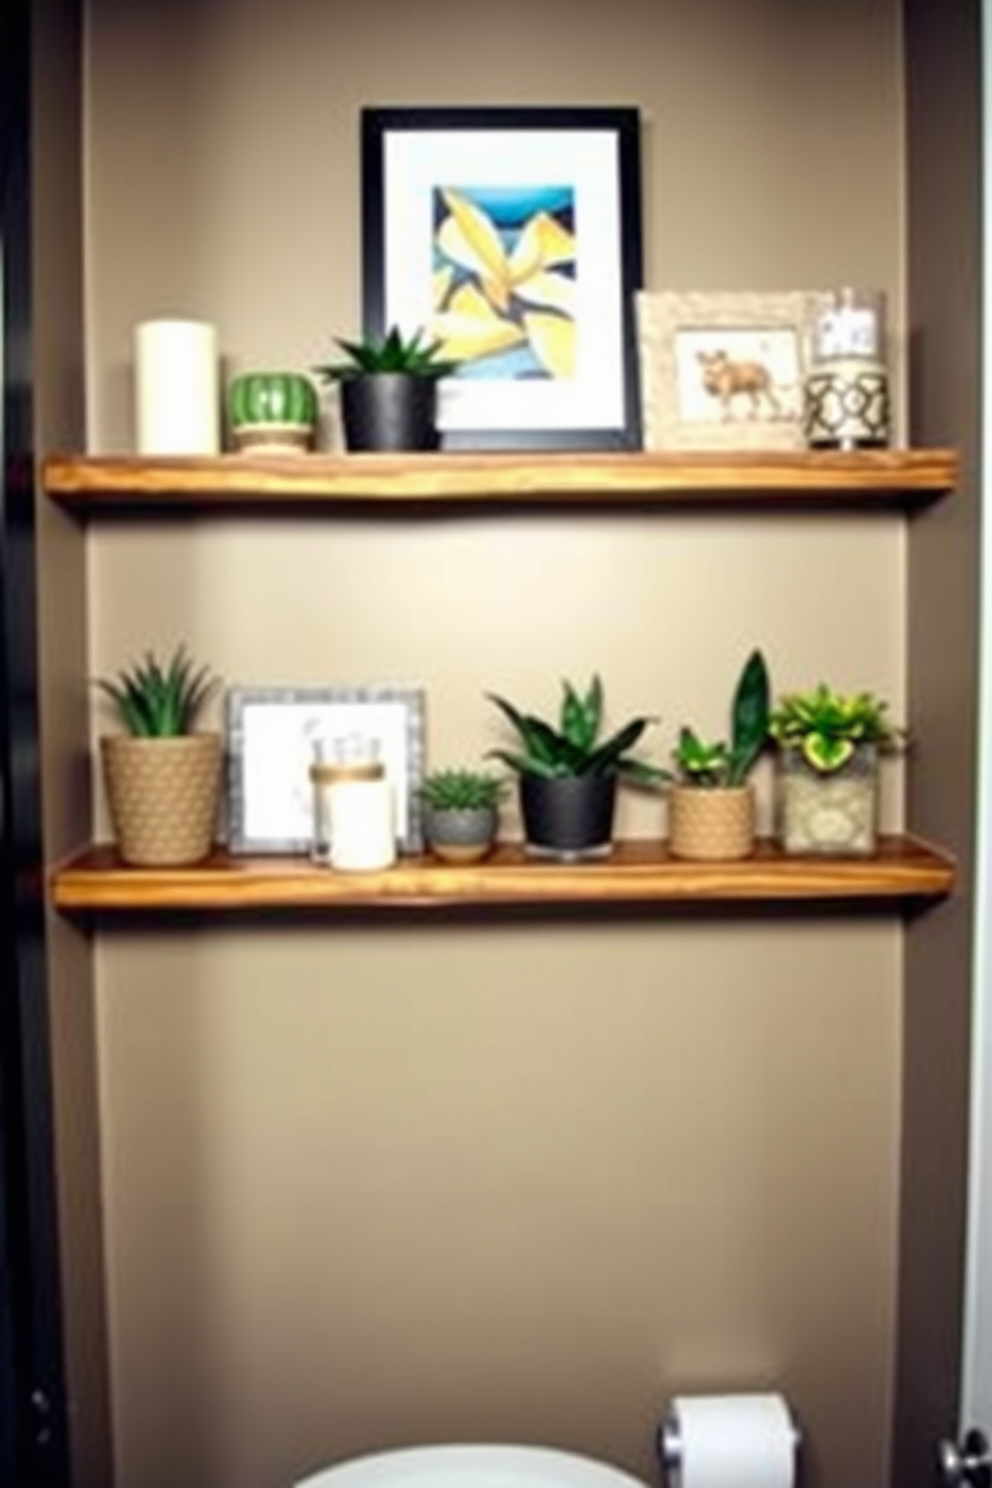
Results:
471 1466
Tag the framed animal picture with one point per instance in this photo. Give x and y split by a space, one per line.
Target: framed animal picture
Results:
724 370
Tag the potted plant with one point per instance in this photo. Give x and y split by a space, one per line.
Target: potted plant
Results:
162 778
461 813
568 775
272 412
827 785
389 390
711 805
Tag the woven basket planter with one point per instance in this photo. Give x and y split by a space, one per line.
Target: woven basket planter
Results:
163 796
715 825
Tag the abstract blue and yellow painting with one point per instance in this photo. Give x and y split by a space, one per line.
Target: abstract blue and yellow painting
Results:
503 290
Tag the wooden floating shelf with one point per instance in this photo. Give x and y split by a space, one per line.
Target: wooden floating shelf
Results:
641 872
568 479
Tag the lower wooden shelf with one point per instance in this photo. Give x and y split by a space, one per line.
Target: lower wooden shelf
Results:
638 872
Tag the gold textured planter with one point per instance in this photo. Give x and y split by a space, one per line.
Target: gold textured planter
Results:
163 796
711 824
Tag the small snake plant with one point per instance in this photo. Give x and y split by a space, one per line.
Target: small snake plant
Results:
461 790
159 700
723 765
574 747
392 352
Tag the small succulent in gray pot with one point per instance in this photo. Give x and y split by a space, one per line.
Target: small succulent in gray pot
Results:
461 813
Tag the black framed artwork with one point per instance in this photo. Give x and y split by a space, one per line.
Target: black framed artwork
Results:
512 236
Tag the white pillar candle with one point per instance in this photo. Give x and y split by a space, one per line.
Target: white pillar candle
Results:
177 388
363 831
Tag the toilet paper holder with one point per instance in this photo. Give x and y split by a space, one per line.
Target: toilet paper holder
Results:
669 1446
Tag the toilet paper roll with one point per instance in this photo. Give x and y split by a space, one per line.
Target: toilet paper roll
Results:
177 393
734 1441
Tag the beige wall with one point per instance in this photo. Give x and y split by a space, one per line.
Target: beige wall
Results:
377 1183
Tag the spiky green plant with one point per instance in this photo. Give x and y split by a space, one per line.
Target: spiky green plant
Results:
722 764
575 747
461 790
392 352
160 701
827 726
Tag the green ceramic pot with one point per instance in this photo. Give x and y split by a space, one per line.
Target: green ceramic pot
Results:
272 409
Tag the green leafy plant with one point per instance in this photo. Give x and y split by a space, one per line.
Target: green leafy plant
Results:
727 765
827 726
392 352
160 701
461 790
575 747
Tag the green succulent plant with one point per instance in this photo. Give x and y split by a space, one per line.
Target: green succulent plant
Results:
574 747
723 764
827 726
392 352
461 790
160 700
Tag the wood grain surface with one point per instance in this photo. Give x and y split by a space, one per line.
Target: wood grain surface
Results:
638 872
662 478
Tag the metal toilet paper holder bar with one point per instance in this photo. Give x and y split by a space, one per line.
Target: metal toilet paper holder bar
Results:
669 1447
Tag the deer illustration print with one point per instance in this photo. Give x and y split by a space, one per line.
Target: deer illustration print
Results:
728 380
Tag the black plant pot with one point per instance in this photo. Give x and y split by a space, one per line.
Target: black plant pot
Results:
568 818
390 411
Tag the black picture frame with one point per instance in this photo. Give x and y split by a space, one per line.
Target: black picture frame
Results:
569 380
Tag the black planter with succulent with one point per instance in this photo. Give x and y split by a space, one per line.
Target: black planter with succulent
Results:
461 813
389 390
568 776
711 808
163 778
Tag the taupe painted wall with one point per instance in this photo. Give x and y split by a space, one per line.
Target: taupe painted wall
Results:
376 1184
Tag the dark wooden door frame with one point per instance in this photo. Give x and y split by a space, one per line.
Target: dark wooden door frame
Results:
942 48
33 1436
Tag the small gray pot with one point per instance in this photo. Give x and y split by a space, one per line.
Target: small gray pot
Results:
460 836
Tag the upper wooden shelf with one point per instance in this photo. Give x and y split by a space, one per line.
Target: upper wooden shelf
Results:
904 869
559 478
